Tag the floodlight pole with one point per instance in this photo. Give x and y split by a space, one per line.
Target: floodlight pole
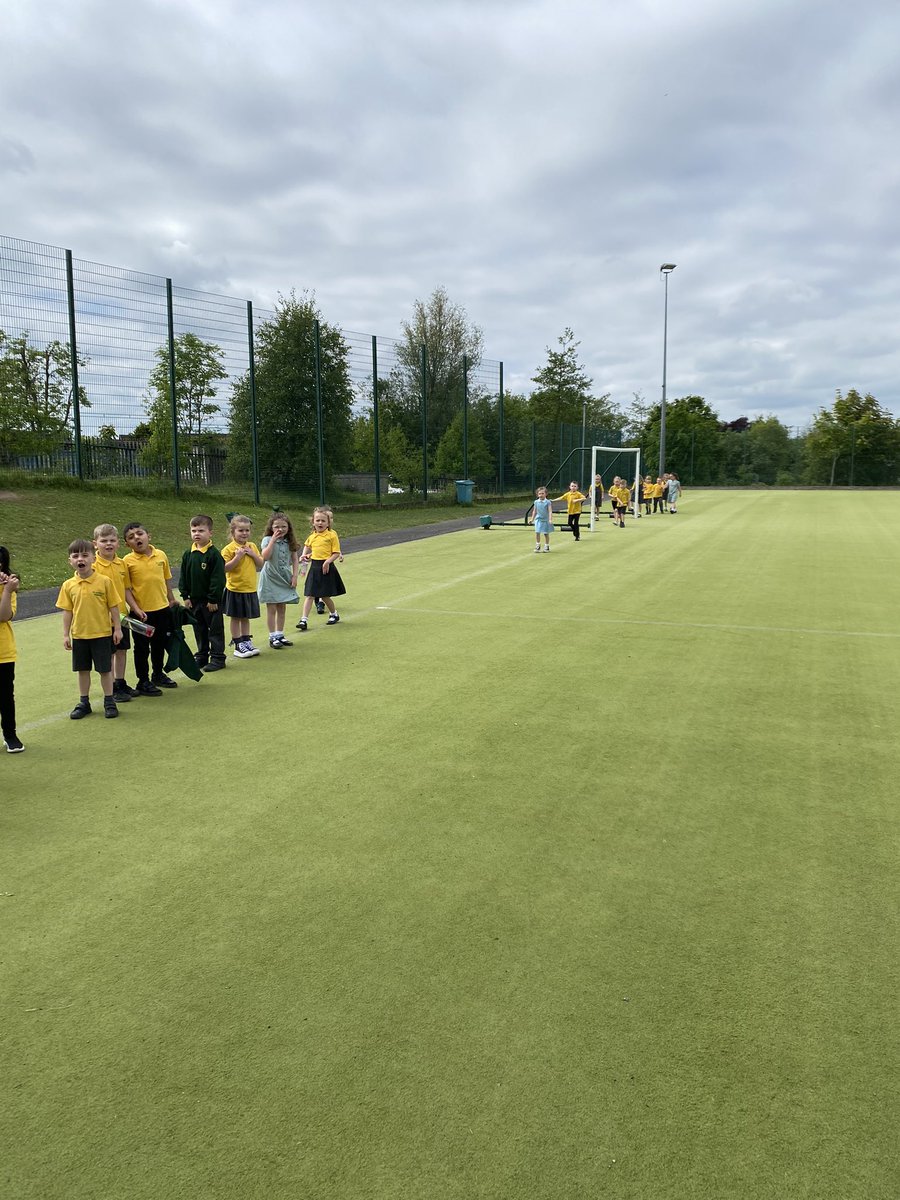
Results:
665 270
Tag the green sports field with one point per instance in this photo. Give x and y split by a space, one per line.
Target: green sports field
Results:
538 877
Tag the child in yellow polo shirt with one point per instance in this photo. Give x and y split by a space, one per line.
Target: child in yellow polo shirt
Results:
9 585
149 596
621 496
243 563
91 625
574 499
107 562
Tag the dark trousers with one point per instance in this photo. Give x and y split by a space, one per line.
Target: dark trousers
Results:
658 504
574 519
8 700
147 650
210 634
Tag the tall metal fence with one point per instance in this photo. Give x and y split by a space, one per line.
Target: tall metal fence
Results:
111 373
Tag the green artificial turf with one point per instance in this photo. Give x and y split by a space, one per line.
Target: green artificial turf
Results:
571 875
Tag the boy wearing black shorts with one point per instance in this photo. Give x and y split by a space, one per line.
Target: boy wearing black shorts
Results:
91 627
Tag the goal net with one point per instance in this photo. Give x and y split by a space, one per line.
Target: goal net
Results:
608 462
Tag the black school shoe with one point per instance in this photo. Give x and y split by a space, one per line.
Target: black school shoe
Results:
320 607
163 681
81 709
146 688
109 708
13 745
214 666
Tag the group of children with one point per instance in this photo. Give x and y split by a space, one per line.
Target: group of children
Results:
661 495
112 604
666 490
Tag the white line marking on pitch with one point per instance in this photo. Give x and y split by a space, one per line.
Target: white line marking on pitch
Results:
452 612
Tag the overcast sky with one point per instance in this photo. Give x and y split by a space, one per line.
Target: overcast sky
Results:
538 159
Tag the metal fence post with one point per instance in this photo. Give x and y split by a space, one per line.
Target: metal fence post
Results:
170 322
423 362
465 428
320 434
73 353
500 409
254 435
532 457
377 445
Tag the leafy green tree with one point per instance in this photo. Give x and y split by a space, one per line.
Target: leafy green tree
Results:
692 440
771 451
563 386
401 459
286 399
443 328
448 458
856 442
36 393
362 440
199 367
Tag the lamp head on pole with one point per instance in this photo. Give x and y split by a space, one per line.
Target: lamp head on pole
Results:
666 268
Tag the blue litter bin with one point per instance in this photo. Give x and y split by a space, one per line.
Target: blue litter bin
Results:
464 489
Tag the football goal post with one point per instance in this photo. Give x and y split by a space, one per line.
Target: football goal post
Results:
607 462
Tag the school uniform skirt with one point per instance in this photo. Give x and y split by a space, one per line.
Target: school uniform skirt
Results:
319 584
241 605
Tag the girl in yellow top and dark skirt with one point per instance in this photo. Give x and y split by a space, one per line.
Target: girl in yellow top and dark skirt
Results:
243 562
321 550
9 585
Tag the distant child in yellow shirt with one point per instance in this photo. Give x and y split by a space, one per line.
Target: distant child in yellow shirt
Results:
621 497
91 626
574 499
597 494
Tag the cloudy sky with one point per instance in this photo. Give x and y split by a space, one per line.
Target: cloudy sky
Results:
538 158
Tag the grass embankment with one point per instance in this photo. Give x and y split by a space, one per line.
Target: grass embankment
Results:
37 523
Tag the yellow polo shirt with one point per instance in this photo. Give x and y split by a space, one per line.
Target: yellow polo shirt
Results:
89 600
574 501
147 575
323 545
7 637
243 577
115 572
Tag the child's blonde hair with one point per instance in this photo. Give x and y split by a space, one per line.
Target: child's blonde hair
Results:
238 519
105 531
291 538
323 508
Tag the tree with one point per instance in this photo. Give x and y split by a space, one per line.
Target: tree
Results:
692 440
401 459
199 366
563 386
36 393
443 328
771 451
448 458
286 399
855 442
